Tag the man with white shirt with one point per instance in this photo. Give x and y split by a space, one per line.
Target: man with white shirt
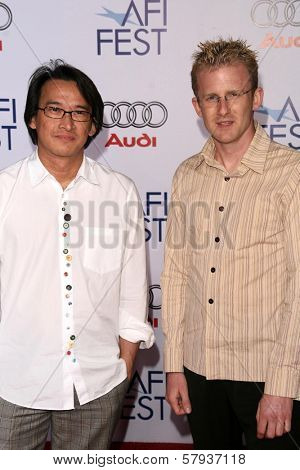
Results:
73 277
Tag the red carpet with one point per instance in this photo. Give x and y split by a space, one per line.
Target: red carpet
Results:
143 446
150 445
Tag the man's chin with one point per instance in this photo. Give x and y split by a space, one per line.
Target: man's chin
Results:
222 138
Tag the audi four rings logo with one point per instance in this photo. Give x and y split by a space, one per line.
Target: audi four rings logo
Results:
138 114
5 16
277 13
155 297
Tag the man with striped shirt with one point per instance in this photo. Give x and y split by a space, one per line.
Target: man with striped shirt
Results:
231 279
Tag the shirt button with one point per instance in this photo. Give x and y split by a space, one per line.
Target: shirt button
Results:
210 301
217 239
226 178
66 225
68 287
65 251
64 234
72 337
67 217
221 208
68 353
212 270
69 258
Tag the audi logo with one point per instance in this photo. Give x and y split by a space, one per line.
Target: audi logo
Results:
279 13
5 16
155 297
138 114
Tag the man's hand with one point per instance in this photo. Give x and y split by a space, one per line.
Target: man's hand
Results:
274 415
177 393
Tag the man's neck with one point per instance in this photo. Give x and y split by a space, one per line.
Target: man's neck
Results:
231 154
64 169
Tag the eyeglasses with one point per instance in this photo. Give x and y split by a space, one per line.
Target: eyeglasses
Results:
211 101
54 112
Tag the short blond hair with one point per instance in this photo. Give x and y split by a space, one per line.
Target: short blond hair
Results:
215 54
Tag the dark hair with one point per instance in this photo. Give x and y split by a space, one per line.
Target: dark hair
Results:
59 70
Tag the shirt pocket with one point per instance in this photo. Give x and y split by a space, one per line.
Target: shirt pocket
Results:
102 251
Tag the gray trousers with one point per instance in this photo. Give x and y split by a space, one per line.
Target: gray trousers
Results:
88 426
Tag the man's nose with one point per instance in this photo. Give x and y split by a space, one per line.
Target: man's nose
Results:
67 121
223 106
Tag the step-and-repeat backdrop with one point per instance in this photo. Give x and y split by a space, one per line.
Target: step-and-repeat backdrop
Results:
138 52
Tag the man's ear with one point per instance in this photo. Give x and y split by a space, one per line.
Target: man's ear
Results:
32 123
197 107
93 129
257 98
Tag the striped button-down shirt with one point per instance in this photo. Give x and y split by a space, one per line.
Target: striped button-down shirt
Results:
231 280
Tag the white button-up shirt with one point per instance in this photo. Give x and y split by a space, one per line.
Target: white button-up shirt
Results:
73 279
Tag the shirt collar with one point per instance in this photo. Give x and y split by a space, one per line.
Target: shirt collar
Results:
38 172
87 171
256 155
254 158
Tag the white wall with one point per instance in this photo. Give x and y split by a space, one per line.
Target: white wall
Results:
149 63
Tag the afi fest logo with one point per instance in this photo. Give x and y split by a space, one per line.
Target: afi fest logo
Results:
5 20
277 14
137 115
140 30
283 123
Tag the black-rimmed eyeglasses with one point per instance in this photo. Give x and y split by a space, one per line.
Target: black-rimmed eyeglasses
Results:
54 112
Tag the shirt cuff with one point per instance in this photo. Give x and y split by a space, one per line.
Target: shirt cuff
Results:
139 332
173 359
282 382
